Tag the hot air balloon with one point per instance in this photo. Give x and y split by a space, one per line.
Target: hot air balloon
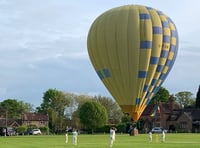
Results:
132 49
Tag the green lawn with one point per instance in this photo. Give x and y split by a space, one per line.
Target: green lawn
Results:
102 141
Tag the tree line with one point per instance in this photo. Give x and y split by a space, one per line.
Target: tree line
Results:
84 111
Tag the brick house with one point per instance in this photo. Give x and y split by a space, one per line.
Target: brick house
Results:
171 117
9 122
36 119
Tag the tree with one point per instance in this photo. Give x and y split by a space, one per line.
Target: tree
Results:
162 95
54 103
27 107
72 106
81 99
126 118
185 99
75 101
92 115
113 110
14 108
198 98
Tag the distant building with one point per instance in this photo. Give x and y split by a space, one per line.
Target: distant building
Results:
37 119
9 122
29 119
171 117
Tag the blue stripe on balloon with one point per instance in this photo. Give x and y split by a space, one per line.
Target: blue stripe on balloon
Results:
172 48
142 74
100 75
176 46
166 39
159 68
153 82
154 60
137 101
173 33
156 89
106 73
145 88
157 30
146 44
165 24
149 8
168 63
148 95
170 20
144 16
162 76
160 12
164 54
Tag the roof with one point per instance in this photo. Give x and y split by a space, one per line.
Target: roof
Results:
174 112
164 107
35 117
175 115
195 113
191 113
9 122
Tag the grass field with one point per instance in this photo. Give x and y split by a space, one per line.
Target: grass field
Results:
102 141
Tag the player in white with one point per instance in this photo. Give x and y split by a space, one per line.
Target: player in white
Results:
112 135
75 135
163 136
150 136
66 135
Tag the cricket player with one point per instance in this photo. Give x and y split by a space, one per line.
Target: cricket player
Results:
150 136
112 135
163 136
66 137
75 135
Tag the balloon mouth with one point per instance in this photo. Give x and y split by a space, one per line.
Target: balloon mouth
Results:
131 110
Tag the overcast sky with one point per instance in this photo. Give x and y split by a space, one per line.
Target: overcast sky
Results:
43 44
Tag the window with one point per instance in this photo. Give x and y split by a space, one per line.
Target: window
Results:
183 125
42 122
28 122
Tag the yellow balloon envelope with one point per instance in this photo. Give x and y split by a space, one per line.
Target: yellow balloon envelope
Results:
132 49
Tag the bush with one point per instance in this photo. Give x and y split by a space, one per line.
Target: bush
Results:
105 128
121 128
45 130
22 129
